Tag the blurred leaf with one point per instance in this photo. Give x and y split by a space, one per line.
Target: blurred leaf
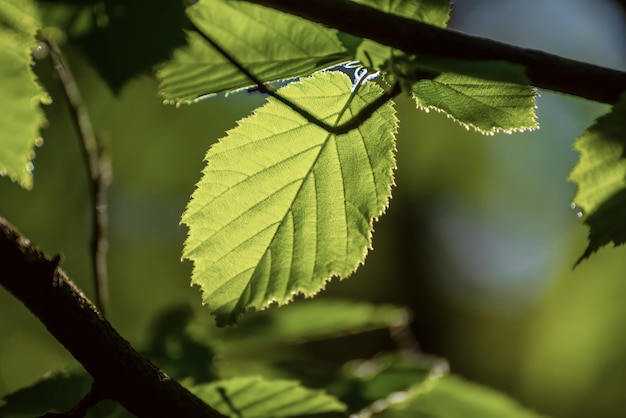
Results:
485 105
270 44
20 114
453 397
176 351
323 318
131 36
368 384
601 178
58 392
252 397
283 206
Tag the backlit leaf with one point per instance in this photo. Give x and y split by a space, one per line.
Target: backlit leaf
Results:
272 45
283 205
252 397
451 397
601 178
20 115
485 105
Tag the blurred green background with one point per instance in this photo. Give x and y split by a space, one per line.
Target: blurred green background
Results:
479 240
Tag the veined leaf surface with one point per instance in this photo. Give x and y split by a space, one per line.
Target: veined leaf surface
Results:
20 115
601 178
272 45
283 206
485 105
253 397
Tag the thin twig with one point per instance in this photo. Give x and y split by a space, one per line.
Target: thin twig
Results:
80 410
346 127
99 171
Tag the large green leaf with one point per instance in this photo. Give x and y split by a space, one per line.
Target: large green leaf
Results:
601 178
283 205
252 397
485 105
270 44
453 397
20 115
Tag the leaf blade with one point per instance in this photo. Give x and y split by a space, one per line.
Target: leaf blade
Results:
272 45
600 175
20 115
277 188
253 397
485 105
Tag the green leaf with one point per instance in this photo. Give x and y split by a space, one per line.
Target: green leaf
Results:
452 397
373 384
252 397
56 392
433 12
323 318
601 179
283 205
487 106
20 114
272 45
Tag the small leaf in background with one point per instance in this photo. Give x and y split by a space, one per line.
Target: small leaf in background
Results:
284 206
57 392
253 397
323 318
452 397
272 45
601 179
20 115
487 106
128 37
372 385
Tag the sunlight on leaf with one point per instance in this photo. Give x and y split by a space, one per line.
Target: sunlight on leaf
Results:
451 396
487 106
601 179
283 206
252 397
20 115
270 44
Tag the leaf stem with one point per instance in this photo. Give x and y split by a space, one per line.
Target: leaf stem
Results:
346 127
99 171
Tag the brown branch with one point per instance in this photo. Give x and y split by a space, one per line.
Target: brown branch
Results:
544 70
120 372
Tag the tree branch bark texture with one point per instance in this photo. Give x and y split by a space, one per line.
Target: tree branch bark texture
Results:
544 70
120 373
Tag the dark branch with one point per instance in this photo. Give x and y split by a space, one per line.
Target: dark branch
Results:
98 169
544 70
346 127
120 373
